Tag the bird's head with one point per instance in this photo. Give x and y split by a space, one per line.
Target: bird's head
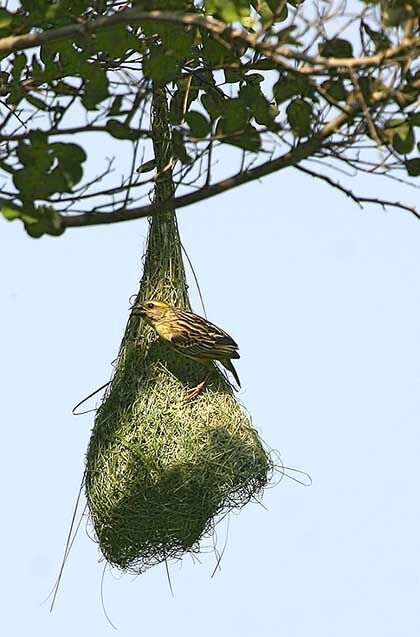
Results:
152 311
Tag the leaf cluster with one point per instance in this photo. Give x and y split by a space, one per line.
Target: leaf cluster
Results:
258 78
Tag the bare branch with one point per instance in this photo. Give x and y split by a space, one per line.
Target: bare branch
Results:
359 199
76 130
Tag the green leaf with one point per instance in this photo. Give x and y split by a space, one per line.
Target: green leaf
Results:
336 48
19 64
37 136
11 211
404 140
284 89
379 39
52 220
37 103
36 8
58 13
48 222
249 139
249 93
36 180
367 86
116 105
35 229
235 116
228 10
413 167
30 184
284 36
4 78
254 79
414 119
288 86
213 104
121 131
204 80
258 105
392 16
179 149
180 40
400 133
233 75
199 125
160 66
264 65
214 53
47 55
391 126
278 9
336 89
35 155
70 158
72 61
116 42
37 221
270 10
69 154
61 88
406 95
181 100
299 116
96 87
265 113
17 94
147 167
6 19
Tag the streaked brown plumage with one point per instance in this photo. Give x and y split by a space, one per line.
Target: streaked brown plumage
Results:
190 335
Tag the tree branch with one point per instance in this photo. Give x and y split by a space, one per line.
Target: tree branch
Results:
293 157
97 218
358 198
285 58
74 130
80 29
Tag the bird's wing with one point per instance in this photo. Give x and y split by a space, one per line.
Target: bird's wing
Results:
197 337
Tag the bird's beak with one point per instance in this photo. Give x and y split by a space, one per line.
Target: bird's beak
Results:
138 309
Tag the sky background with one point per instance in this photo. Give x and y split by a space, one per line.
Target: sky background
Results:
324 300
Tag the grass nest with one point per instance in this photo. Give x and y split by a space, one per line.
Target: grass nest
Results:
161 470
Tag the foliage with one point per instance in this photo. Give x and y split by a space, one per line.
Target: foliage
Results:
278 83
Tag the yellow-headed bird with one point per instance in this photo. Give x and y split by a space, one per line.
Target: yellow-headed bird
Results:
190 335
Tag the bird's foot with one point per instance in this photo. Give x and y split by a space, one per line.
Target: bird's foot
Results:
195 391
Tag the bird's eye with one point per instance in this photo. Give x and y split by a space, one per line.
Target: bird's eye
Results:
150 306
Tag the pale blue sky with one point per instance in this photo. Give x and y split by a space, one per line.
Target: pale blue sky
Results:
324 300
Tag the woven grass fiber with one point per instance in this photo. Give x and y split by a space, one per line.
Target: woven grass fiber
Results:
161 470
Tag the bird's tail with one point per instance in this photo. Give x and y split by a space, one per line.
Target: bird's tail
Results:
229 365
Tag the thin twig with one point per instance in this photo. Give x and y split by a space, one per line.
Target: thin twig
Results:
359 199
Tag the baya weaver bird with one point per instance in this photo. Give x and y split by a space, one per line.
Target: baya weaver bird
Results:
190 335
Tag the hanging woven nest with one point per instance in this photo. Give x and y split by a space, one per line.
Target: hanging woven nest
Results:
161 469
